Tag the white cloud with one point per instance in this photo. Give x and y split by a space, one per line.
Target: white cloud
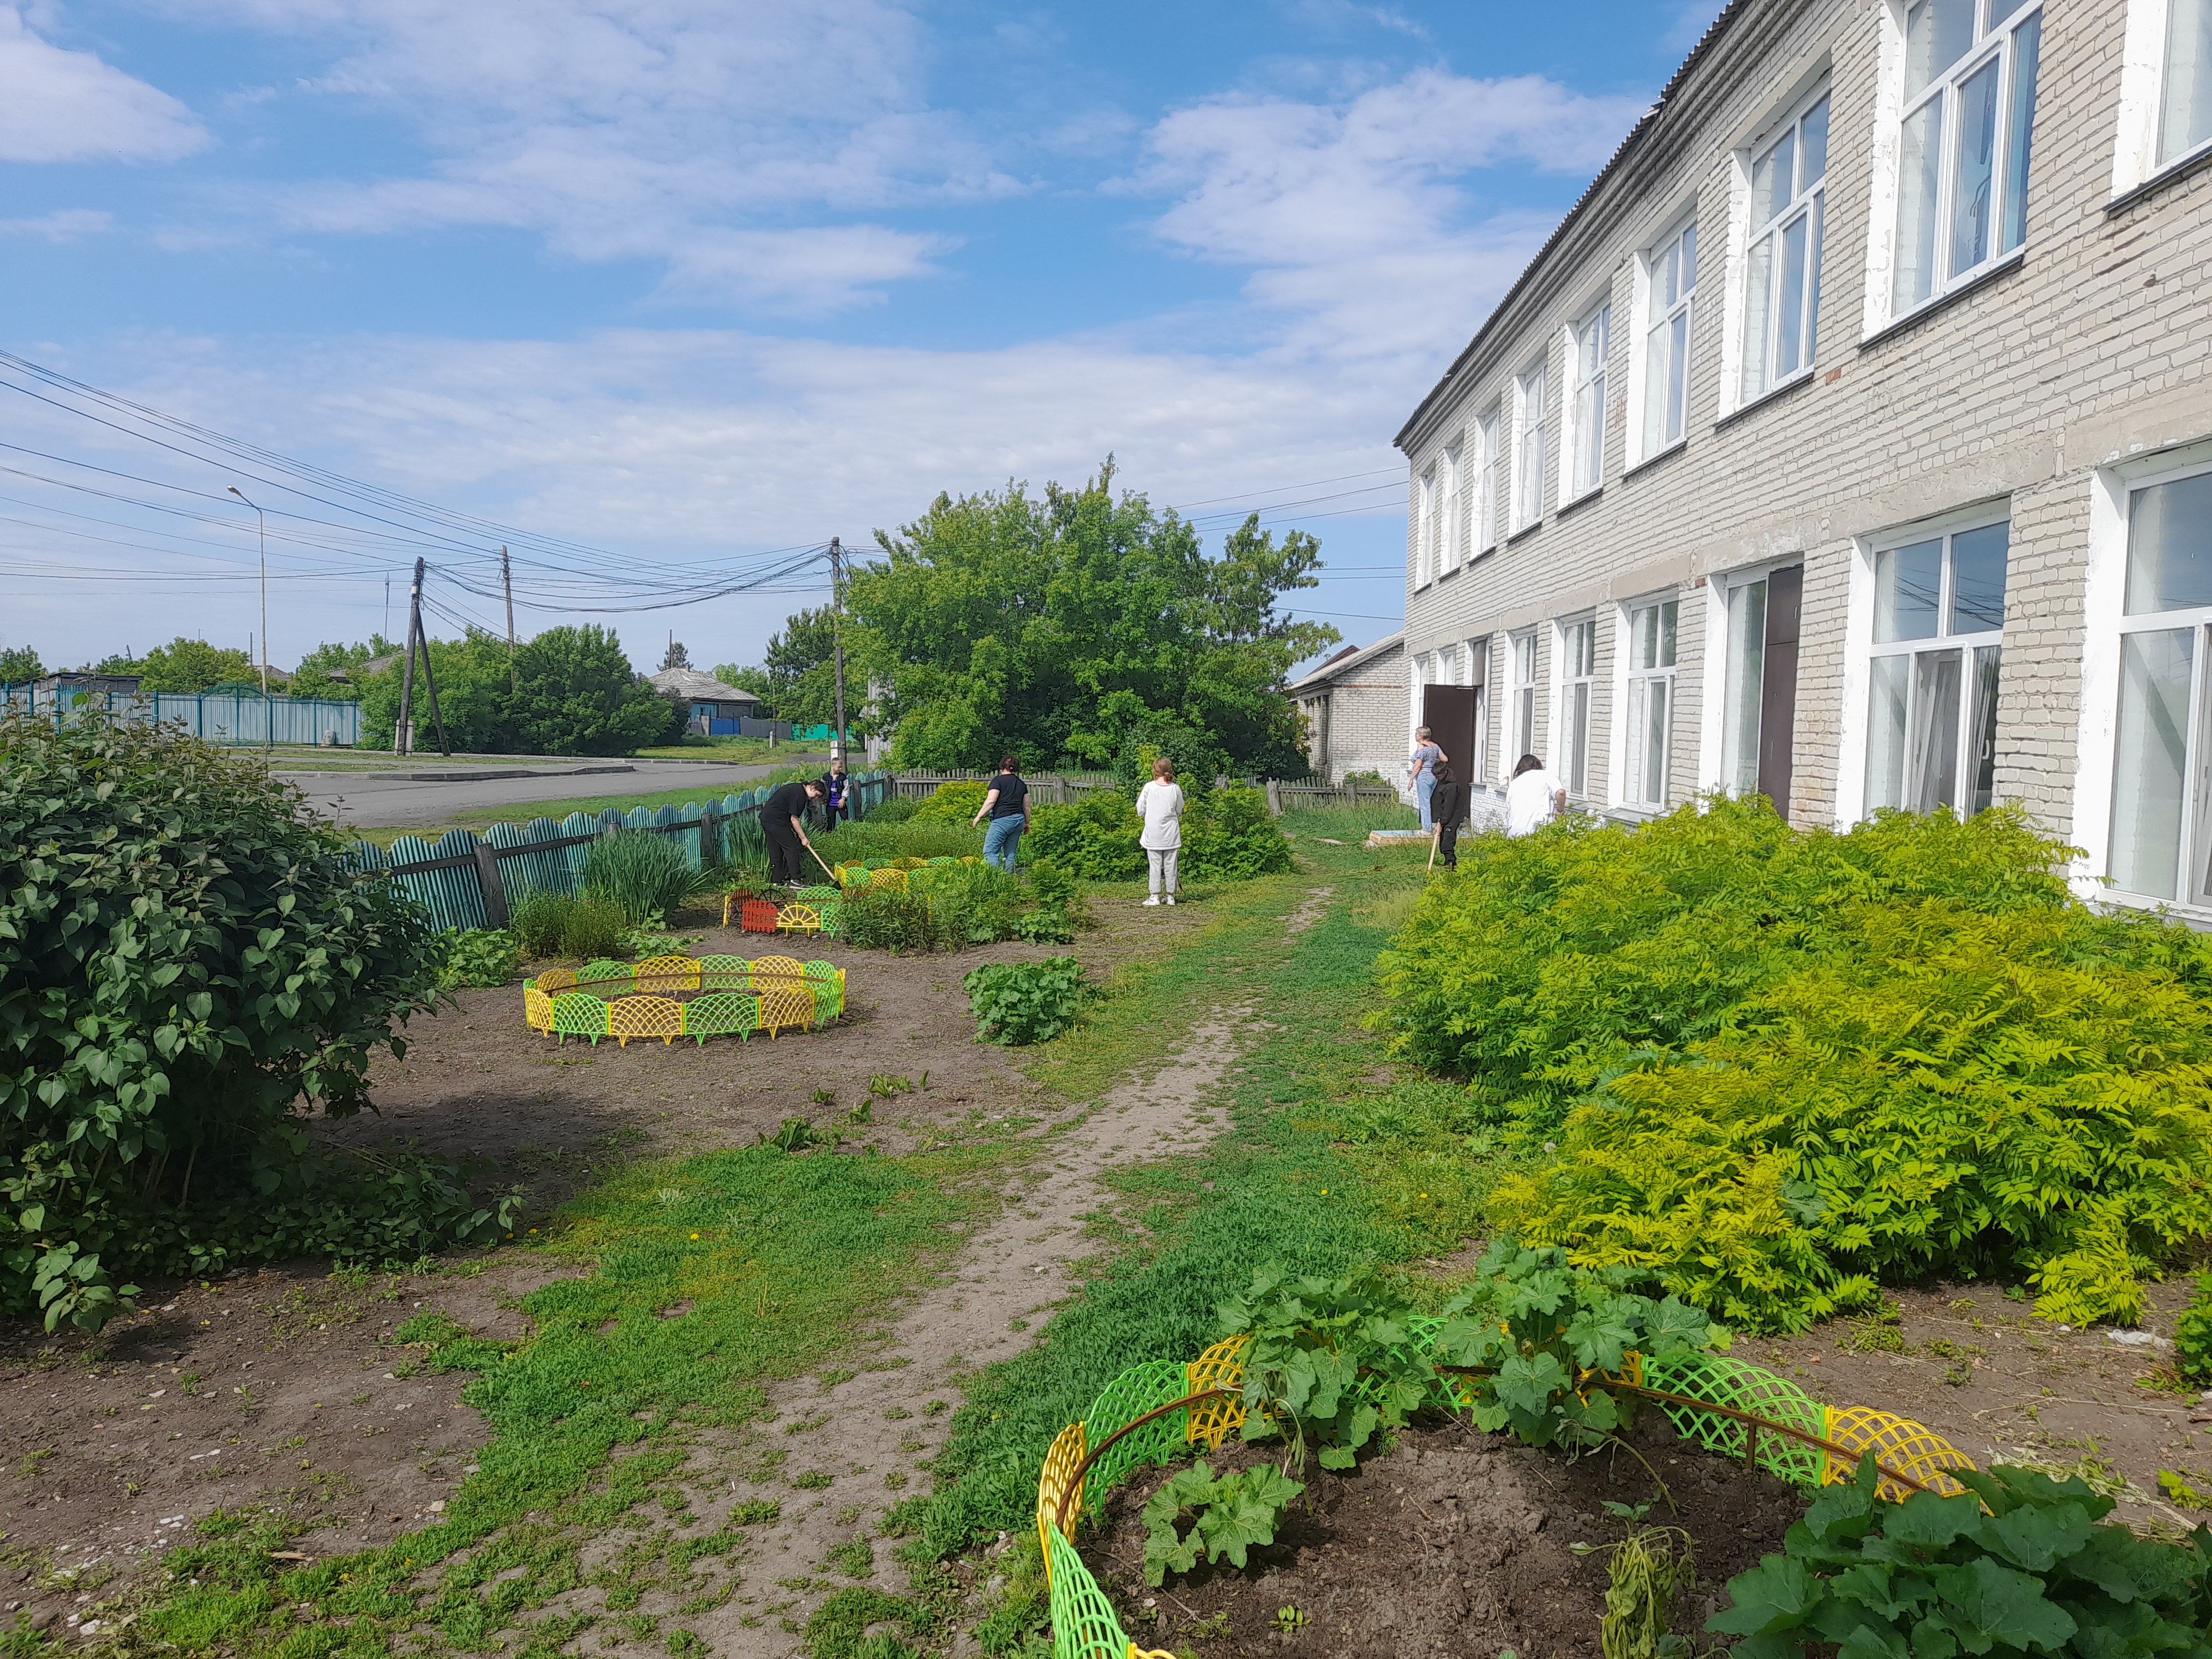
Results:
715 136
62 225
62 106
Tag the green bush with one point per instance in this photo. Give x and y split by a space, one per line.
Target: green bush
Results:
953 803
550 925
893 809
481 957
2193 1336
2015 1565
1782 1068
1017 1003
189 958
642 872
857 843
1227 835
948 909
891 919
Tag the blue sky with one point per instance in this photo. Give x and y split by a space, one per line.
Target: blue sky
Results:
685 280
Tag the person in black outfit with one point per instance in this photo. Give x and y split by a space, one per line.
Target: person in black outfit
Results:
783 816
1007 801
1448 812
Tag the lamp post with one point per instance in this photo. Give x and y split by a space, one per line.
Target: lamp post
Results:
259 514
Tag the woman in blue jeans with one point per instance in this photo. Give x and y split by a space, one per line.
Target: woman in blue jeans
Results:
1425 756
1007 803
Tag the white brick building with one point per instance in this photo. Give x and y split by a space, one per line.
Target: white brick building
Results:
1351 706
1851 439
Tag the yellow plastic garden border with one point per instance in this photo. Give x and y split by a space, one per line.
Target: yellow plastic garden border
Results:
612 999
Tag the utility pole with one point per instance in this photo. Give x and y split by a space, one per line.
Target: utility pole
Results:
837 641
506 580
404 737
259 514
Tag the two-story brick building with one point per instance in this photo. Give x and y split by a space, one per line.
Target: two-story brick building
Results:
1850 439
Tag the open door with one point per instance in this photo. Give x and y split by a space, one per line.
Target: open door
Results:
1450 713
1777 692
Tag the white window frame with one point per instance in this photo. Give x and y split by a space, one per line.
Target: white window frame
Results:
1451 511
1424 525
1574 702
1627 676
1588 344
1997 24
1649 368
1520 703
2143 92
1862 650
1807 204
2105 621
1489 490
1531 420
1713 696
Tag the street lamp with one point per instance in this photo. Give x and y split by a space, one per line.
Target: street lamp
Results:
258 514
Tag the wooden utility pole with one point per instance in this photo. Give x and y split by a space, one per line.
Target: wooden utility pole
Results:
506 580
404 737
837 640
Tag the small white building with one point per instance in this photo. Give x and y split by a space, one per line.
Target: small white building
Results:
1354 709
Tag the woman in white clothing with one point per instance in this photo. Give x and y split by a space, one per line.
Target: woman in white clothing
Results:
1534 797
1160 804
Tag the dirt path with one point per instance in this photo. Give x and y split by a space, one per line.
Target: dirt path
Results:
873 1432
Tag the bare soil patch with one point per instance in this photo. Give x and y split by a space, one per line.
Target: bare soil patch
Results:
1455 1543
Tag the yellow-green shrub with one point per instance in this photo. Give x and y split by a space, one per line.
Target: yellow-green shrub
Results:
1782 1068
953 803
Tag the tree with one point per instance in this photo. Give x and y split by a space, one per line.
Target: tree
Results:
473 697
313 677
116 662
676 656
189 665
20 666
1083 625
798 681
577 696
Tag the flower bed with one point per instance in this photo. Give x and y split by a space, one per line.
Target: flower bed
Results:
670 997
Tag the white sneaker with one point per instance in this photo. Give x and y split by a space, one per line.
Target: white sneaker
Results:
1171 898
1155 899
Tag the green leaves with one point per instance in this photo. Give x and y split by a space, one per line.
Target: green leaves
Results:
2016 1566
1235 1513
1017 1003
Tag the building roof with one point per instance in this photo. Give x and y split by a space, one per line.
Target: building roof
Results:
1668 95
1353 656
695 685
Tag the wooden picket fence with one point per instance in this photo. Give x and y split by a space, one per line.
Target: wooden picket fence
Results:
467 880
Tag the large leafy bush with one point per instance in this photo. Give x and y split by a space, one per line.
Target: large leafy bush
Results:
1782 1066
2017 1565
953 803
1227 835
186 958
1017 1003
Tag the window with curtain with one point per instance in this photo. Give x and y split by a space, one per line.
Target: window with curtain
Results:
2184 107
1448 535
1673 269
1524 700
1651 634
1932 676
1588 364
1577 684
1970 74
1531 392
2160 845
1490 494
1782 266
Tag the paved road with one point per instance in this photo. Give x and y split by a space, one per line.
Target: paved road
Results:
373 803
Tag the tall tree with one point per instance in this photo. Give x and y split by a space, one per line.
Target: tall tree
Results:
313 677
20 666
189 665
576 694
473 697
676 656
1086 625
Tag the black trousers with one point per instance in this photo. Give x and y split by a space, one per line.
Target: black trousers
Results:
1447 846
784 855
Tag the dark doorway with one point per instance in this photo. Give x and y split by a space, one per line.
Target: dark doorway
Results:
1777 691
1449 712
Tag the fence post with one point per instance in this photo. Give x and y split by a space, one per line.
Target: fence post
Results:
710 836
494 889
1274 798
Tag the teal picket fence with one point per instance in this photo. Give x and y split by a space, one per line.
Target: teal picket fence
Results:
446 877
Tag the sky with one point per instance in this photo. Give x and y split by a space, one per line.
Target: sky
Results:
663 294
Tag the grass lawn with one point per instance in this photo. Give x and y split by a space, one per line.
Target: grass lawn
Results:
738 751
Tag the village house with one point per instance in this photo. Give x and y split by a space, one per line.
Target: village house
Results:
1850 440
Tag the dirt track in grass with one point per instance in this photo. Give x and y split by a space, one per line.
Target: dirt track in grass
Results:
283 1387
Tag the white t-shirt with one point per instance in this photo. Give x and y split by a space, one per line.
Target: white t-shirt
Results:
1161 804
1529 801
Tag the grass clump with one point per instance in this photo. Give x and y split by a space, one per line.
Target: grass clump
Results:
1784 1067
552 924
642 872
